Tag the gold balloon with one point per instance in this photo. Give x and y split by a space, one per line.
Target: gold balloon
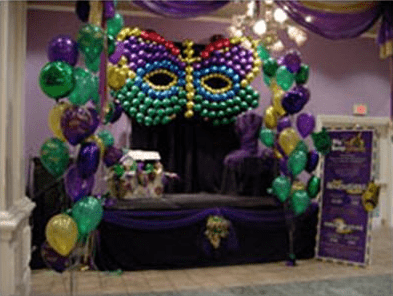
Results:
270 118
190 105
288 139
54 119
277 97
116 78
61 233
189 114
277 154
96 139
297 185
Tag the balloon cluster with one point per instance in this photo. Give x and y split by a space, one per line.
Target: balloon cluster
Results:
286 140
75 120
154 80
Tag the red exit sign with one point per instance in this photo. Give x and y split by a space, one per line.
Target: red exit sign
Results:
360 109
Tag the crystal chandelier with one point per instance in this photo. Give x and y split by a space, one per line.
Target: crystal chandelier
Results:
264 19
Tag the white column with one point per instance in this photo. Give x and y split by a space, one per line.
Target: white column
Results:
15 208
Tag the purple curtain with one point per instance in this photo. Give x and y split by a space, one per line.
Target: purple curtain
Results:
333 24
181 9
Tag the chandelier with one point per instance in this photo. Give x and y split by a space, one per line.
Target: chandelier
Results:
264 19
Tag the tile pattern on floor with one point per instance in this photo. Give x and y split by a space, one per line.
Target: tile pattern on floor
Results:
46 282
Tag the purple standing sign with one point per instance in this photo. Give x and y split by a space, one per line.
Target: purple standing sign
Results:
344 224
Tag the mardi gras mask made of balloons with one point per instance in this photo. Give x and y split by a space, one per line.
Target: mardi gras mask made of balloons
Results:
155 80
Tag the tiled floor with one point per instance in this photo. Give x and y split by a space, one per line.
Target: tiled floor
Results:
45 282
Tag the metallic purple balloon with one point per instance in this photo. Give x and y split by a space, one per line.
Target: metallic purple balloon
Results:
304 92
112 156
312 161
109 9
305 123
75 186
54 260
293 101
283 123
88 159
283 167
292 61
78 123
117 113
63 48
116 56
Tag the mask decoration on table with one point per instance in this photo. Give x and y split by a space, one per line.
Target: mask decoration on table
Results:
217 228
287 127
155 81
76 123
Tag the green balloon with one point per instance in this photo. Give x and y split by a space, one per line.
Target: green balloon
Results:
243 105
301 146
111 44
55 156
302 76
313 186
148 120
90 41
299 202
222 105
151 111
322 141
106 137
242 94
168 110
165 120
177 108
160 112
109 115
204 113
212 114
220 113
95 84
270 67
57 79
267 80
284 78
198 98
133 111
114 25
255 103
93 65
87 214
143 108
174 99
214 105
197 107
267 137
249 99
297 162
263 53
118 170
281 188
224 121
216 122
83 87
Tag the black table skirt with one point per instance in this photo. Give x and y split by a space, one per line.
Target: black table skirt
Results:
125 248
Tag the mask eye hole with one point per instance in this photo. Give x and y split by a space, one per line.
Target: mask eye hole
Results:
216 82
161 79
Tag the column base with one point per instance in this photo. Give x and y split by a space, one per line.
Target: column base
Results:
15 244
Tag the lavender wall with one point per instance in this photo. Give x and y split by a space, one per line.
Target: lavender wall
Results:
342 72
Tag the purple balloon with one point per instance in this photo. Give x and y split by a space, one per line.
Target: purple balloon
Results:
54 260
292 61
112 156
88 159
312 161
283 167
304 92
116 56
305 123
117 113
294 101
78 123
109 9
63 48
283 123
76 187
